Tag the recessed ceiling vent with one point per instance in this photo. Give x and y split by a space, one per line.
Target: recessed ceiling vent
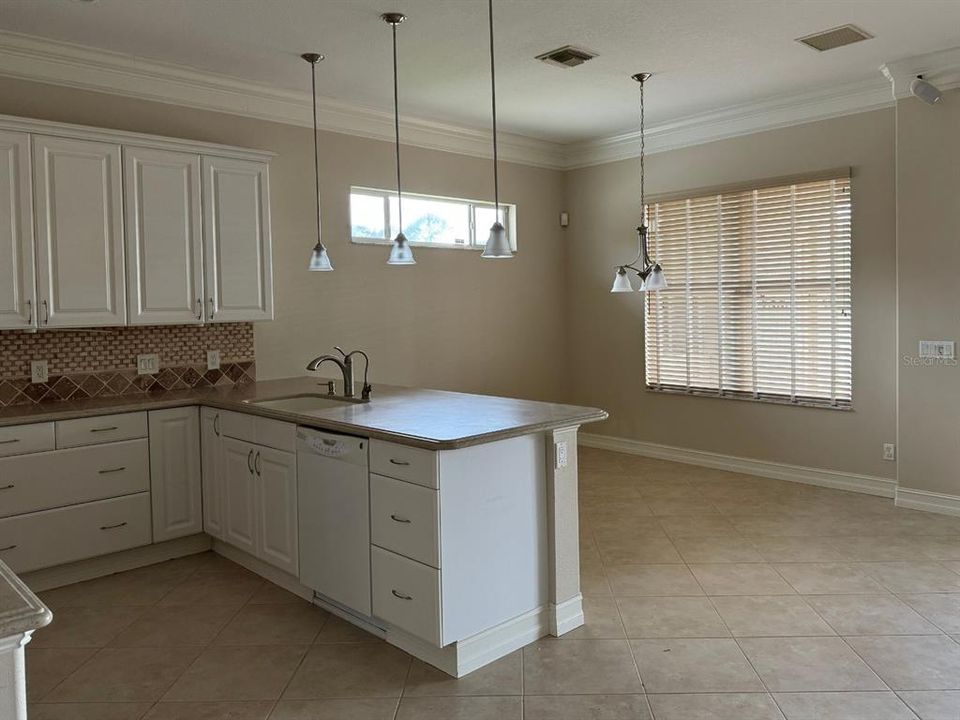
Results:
567 56
835 37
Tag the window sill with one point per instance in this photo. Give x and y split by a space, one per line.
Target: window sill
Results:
765 399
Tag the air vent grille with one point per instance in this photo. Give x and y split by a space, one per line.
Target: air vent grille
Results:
835 37
567 56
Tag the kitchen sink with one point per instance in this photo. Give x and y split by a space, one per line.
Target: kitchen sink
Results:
305 402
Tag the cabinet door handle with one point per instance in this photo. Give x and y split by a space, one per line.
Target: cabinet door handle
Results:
11 486
9 442
46 312
113 527
397 518
29 312
107 471
199 309
216 424
401 595
250 460
213 309
394 461
104 429
8 547
256 463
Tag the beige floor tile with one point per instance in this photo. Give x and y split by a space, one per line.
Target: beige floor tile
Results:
870 615
651 580
48 667
933 704
88 711
617 524
625 550
274 594
809 665
349 670
334 709
125 675
237 673
678 526
461 708
671 617
580 707
717 549
694 666
796 549
602 621
501 677
927 662
942 609
913 577
183 625
214 588
85 626
579 667
770 616
941 548
209 711
872 548
713 706
593 581
112 590
843 705
337 630
740 579
680 506
829 579
280 624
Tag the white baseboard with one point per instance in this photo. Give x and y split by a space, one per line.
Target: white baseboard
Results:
835 479
566 616
929 501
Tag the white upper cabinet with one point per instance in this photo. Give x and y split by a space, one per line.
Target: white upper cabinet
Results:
163 236
17 284
79 219
237 248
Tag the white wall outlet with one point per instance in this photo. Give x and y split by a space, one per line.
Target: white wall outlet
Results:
889 451
148 364
39 372
939 349
561 454
213 359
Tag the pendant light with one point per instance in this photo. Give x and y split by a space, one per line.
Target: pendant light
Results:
400 253
650 273
319 260
498 244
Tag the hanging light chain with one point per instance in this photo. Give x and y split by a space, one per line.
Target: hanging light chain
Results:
493 102
316 149
643 153
396 124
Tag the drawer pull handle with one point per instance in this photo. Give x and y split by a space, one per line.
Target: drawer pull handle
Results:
398 519
113 527
8 547
399 462
401 595
9 442
11 486
107 471
104 429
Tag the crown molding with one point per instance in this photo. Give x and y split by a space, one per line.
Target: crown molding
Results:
941 68
734 121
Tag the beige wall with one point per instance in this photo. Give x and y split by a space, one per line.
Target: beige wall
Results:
928 209
453 321
607 330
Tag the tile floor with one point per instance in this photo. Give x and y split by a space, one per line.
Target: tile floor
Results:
707 595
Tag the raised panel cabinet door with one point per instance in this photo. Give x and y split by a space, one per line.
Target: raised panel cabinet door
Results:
239 501
211 469
175 479
17 280
238 267
163 236
277 508
78 202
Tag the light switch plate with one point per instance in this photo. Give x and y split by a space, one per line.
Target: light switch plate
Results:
39 371
889 451
939 349
213 359
148 364
561 452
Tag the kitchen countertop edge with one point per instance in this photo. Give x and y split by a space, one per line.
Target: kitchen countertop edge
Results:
29 614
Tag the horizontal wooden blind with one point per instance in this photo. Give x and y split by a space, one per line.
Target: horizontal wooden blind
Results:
759 298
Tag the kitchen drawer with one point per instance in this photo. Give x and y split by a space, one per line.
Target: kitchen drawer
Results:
101 429
406 594
405 518
66 477
53 537
20 439
404 463
262 431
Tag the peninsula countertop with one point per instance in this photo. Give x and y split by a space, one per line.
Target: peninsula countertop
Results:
20 610
430 419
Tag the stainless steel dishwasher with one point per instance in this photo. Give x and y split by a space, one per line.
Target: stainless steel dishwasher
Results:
334 517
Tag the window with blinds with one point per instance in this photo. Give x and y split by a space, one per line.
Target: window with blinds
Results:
758 305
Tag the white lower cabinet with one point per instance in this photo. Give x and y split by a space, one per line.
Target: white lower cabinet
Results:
175 473
211 470
239 496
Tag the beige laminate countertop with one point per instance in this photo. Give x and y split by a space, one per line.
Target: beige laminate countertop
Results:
20 610
431 419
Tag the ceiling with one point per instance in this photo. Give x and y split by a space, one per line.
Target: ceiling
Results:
705 54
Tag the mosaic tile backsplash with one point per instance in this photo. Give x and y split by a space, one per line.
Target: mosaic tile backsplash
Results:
103 362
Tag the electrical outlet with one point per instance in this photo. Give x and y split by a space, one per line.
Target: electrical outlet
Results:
938 349
148 364
561 453
213 359
889 451
39 372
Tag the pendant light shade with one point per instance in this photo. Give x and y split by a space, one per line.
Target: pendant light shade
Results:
621 283
656 280
498 244
400 252
319 259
